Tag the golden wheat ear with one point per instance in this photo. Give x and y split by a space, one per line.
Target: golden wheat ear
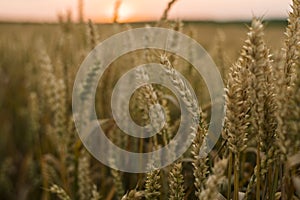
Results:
214 180
60 192
176 182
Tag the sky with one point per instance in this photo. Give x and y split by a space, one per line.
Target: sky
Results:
144 10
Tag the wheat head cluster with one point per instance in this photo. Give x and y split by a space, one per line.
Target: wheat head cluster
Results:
256 157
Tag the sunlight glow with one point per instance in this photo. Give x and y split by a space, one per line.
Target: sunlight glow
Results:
143 10
125 12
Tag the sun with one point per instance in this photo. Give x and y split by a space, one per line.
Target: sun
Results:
125 12
119 12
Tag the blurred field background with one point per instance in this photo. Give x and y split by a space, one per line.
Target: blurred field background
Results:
19 46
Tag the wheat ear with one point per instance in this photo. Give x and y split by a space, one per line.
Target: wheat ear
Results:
214 180
176 182
60 192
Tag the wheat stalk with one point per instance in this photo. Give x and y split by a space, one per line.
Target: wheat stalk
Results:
199 161
237 96
92 34
263 122
164 17
84 176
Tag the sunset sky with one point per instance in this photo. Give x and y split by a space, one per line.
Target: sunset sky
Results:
141 10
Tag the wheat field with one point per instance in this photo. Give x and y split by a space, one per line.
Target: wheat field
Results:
256 157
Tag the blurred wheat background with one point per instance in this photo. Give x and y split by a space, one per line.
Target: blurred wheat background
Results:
257 157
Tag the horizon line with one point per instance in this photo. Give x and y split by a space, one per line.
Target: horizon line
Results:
140 21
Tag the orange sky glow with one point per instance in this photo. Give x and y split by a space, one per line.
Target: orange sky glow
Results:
144 10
